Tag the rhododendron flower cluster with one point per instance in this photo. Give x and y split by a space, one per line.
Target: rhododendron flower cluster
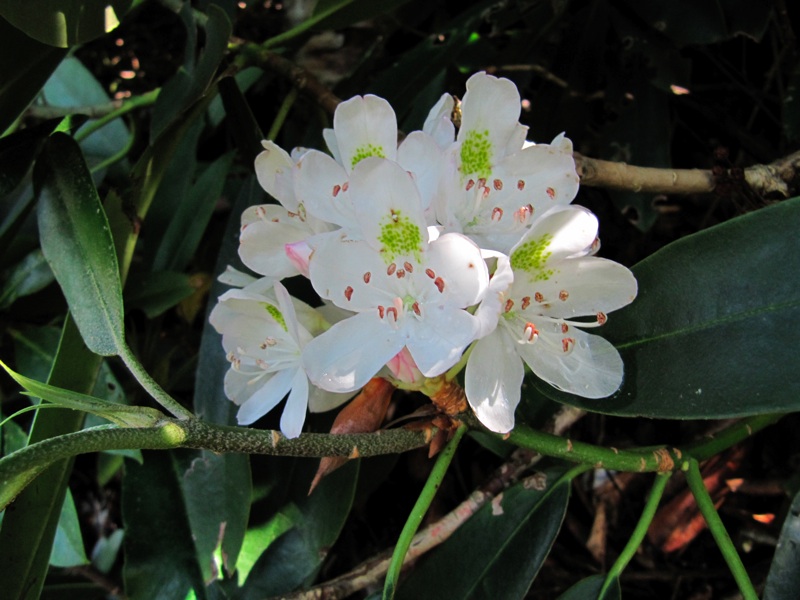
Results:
453 248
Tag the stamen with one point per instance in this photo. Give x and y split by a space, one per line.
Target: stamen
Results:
551 193
567 344
531 333
538 297
367 277
348 293
509 305
482 182
601 318
564 328
391 269
336 189
486 191
498 185
415 308
439 283
520 185
523 213
409 267
526 302
563 295
345 185
261 212
470 184
400 273
430 273
392 311
497 213
381 311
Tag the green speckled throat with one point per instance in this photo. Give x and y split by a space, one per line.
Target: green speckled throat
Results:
275 314
476 154
366 151
399 237
532 257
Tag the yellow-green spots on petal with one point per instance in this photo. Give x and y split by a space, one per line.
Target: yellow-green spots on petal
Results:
275 314
399 236
366 151
532 257
476 154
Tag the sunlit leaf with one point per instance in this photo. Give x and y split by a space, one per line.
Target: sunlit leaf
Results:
77 243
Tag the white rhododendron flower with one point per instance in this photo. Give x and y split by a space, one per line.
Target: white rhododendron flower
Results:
540 323
263 341
399 240
492 189
406 291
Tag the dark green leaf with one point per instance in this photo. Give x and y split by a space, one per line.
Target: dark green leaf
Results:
160 557
68 544
64 23
27 533
499 550
589 589
783 579
28 277
25 65
189 84
355 12
294 558
77 243
216 490
188 224
155 293
708 335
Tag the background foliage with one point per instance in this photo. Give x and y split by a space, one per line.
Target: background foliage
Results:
166 112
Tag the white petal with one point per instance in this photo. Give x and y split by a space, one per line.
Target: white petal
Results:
320 400
321 185
582 287
494 300
267 397
352 275
517 139
286 307
262 244
349 354
493 381
365 127
294 413
438 123
388 208
235 277
437 342
458 261
330 141
489 113
593 369
274 173
420 155
559 234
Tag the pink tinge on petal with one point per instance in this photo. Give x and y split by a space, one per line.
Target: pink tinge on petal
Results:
299 254
404 368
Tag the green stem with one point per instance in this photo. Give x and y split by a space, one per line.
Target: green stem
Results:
21 467
283 112
722 440
151 386
638 534
147 99
418 512
305 25
114 158
706 505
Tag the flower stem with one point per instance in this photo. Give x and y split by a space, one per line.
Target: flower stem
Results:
146 99
638 533
21 467
418 512
283 112
305 25
706 505
150 384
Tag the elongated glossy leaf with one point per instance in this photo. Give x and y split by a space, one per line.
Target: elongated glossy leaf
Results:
712 331
77 243
216 491
29 276
68 544
160 558
497 553
783 579
25 65
64 23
